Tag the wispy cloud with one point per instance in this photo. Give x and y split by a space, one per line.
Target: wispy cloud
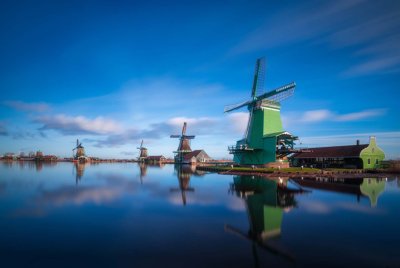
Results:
370 29
197 126
70 125
238 121
315 116
360 115
21 135
27 106
305 22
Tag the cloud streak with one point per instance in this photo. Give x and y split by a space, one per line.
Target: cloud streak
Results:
69 125
27 107
197 126
315 116
370 30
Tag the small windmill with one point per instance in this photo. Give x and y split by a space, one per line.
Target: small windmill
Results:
184 144
259 145
80 150
142 152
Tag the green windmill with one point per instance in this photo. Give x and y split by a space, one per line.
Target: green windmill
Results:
265 141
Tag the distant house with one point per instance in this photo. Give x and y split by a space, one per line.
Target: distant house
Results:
155 159
50 158
196 156
365 156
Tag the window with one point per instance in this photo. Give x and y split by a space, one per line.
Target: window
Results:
369 161
376 161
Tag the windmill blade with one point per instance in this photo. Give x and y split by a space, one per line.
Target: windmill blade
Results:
270 247
141 145
279 90
175 136
190 137
232 107
259 75
282 95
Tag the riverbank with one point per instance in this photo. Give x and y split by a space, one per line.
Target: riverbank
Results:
298 172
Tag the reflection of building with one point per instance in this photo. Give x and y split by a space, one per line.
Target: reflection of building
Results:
143 171
265 201
143 168
184 172
155 159
369 187
372 188
349 156
79 170
39 165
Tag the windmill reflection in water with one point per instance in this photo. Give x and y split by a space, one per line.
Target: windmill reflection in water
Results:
184 173
266 200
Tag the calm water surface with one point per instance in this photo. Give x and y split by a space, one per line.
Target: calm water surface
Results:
126 215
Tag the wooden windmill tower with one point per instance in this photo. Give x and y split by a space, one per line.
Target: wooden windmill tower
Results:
264 141
142 153
184 144
80 151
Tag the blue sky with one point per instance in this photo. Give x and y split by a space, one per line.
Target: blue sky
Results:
113 73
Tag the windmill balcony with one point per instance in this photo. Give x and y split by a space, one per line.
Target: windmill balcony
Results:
239 148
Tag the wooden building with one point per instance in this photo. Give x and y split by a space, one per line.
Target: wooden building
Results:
155 159
196 156
362 156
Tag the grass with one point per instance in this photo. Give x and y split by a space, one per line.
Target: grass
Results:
265 170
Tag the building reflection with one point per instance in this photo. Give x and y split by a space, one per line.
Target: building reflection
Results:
367 187
373 188
142 170
266 200
184 173
79 168
144 166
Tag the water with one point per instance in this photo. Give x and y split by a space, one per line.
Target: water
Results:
120 215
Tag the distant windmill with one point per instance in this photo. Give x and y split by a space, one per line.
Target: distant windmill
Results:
184 144
264 132
80 150
142 152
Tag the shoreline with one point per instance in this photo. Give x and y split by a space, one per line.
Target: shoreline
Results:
296 172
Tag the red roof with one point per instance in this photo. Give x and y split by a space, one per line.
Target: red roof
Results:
194 153
155 157
334 151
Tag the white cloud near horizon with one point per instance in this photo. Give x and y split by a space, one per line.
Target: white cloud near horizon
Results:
202 126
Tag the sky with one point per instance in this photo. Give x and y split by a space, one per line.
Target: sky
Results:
111 73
